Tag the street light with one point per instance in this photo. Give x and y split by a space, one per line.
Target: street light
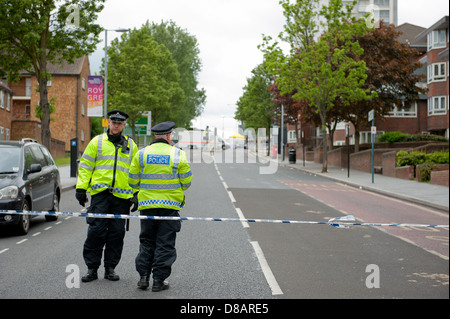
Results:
105 102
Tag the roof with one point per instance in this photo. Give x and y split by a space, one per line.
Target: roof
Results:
410 32
65 68
5 88
440 24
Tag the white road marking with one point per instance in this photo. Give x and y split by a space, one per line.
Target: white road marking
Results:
273 284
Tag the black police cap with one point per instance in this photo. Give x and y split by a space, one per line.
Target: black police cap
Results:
163 128
118 116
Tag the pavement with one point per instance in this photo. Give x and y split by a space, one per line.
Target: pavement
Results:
434 196
67 182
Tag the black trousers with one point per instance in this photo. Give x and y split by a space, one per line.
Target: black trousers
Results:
157 251
105 233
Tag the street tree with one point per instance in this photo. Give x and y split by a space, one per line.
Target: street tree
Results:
142 76
391 67
186 54
34 33
255 106
324 70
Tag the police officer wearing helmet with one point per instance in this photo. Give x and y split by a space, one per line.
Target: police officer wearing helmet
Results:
161 174
103 171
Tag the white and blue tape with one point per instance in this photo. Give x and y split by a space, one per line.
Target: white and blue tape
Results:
339 222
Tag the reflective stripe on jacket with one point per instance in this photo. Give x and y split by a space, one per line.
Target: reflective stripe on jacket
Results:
104 166
160 172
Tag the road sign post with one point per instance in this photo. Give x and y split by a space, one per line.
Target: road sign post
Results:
371 116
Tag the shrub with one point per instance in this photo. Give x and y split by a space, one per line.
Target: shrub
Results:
396 136
438 157
392 137
411 158
428 161
427 137
425 171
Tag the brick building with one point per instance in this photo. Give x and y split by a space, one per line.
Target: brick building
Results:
427 115
68 90
5 111
437 37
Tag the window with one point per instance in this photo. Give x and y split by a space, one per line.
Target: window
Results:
8 102
436 72
381 3
83 83
7 134
28 158
436 39
291 137
38 155
366 136
407 109
2 132
2 99
10 159
28 87
437 105
384 15
47 156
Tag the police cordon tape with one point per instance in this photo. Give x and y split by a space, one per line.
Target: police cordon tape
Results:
339 222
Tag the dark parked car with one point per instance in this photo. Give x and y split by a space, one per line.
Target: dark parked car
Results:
29 180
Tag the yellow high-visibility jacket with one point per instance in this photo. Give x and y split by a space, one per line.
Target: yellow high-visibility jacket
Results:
106 166
160 172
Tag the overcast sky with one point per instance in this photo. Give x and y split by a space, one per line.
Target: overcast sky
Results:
228 33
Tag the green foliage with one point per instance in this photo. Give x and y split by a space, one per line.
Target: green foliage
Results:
425 171
142 76
438 157
410 158
396 136
255 105
34 33
427 137
415 158
392 137
185 53
321 71
51 107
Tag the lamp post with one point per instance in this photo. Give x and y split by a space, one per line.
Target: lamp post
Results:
105 88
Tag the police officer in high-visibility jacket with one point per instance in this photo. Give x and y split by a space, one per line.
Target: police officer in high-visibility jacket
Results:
161 174
103 171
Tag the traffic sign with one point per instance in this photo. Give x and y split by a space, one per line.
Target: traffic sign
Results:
371 115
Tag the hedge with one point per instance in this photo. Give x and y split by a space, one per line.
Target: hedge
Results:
427 160
396 136
415 158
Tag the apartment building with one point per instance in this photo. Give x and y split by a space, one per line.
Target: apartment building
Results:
5 111
437 38
67 89
386 10
428 114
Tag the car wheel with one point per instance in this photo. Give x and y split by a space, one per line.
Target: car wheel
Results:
50 218
24 221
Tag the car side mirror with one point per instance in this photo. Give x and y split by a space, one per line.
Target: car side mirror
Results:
34 168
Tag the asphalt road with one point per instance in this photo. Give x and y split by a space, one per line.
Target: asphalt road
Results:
232 260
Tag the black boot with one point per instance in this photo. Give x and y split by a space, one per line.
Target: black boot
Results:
110 274
90 276
159 285
143 282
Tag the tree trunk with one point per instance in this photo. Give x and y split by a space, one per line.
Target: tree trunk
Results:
324 146
45 121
